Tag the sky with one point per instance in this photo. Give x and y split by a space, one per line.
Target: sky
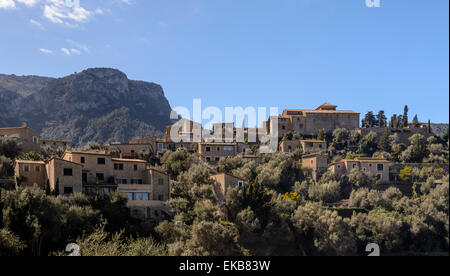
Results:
252 53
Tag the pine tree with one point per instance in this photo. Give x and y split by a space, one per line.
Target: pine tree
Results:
416 121
405 117
381 117
47 188
56 191
369 120
321 135
385 142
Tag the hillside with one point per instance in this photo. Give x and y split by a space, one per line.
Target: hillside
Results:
98 104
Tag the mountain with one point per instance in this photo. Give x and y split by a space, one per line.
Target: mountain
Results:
98 104
439 129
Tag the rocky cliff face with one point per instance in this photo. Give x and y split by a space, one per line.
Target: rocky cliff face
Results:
95 105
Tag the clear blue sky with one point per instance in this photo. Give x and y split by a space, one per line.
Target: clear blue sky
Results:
285 53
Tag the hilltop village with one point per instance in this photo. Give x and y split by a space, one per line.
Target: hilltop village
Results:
120 166
333 157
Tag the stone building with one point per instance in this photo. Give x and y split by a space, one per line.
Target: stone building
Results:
28 139
213 152
224 182
60 175
378 168
317 163
310 122
307 146
147 188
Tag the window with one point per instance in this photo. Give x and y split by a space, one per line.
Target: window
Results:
218 148
320 145
26 168
101 161
37 169
135 167
378 176
160 147
141 196
136 181
82 159
240 184
160 181
208 149
228 148
208 159
380 167
130 196
68 190
121 181
118 167
217 159
149 212
354 166
161 197
68 172
283 127
100 177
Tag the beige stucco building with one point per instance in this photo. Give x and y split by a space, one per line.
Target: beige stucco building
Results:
224 182
317 163
307 146
378 168
61 175
147 189
213 152
29 140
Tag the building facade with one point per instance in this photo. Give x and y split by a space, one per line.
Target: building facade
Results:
310 122
28 139
378 168
224 182
317 163
213 152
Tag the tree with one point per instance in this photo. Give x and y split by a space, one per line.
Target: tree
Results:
176 162
415 121
32 156
417 150
92 146
405 174
321 135
322 232
10 244
369 120
9 147
385 142
405 117
6 166
381 118
325 192
368 143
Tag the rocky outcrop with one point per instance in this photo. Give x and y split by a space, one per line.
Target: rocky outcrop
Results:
98 104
